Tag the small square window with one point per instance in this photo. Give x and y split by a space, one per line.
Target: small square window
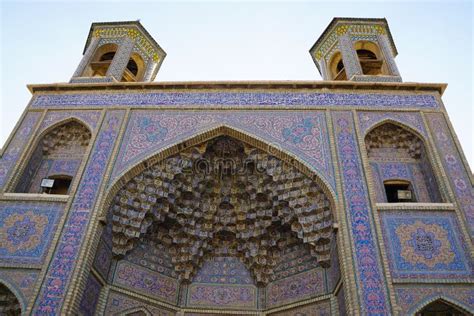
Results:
398 191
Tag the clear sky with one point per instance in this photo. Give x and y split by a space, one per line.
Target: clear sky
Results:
42 42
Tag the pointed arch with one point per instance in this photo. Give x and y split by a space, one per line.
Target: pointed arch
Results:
15 292
208 134
35 159
103 228
398 151
400 124
443 299
73 118
136 311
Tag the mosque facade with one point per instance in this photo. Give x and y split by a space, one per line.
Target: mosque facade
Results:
121 195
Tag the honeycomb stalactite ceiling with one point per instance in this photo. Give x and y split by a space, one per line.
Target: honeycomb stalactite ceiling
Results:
390 136
70 138
223 197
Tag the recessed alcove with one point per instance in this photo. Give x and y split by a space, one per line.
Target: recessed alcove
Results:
233 236
400 166
57 156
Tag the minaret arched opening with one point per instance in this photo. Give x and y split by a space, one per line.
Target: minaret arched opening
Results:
135 69
370 58
400 165
336 67
101 61
57 157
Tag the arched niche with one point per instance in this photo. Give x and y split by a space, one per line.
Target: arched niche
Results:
371 58
9 303
219 196
442 307
57 156
400 164
100 62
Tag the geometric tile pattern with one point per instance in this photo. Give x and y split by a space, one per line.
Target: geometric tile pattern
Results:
423 244
26 230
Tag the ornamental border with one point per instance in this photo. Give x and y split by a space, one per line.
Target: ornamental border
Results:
343 238
36 104
371 192
57 235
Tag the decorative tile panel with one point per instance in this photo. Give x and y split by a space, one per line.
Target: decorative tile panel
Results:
235 99
17 145
302 134
296 259
411 298
65 257
426 245
368 269
139 279
367 120
333 273
152 255
91 118
103 259
314 309
456 172
90 297
341 302
222 296
295 288
22 279
118 304
223 270
26 231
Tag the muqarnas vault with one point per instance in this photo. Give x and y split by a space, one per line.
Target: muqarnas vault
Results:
346 196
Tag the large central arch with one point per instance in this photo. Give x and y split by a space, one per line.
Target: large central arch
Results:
221 198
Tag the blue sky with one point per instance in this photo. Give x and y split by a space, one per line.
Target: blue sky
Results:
42 42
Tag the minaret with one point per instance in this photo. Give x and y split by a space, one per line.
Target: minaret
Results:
356 49
119 52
